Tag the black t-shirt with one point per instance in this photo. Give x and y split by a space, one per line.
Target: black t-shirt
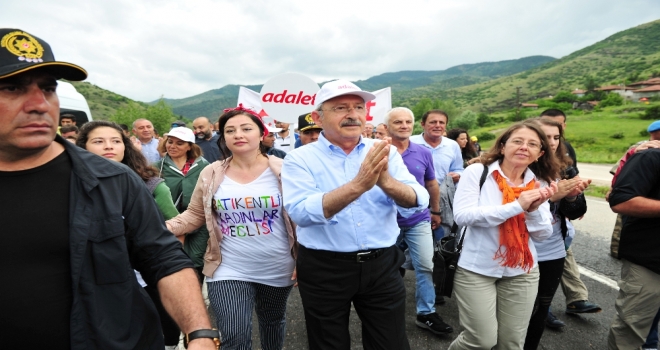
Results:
640 237
35 303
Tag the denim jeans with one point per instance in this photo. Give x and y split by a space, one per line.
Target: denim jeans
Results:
419 241
652 339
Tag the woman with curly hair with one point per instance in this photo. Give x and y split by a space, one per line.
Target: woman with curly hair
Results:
250 261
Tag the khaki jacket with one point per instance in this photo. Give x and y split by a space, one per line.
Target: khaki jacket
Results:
200 210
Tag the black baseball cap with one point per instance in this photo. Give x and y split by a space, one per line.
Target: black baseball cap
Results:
21 52
305 122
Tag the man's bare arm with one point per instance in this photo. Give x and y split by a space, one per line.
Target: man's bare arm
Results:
640 207
182 298
434 194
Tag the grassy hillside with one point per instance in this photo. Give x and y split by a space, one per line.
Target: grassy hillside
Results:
597 136
103 103
465 74
632 53
212 102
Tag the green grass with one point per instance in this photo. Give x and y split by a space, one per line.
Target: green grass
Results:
591 133
596 191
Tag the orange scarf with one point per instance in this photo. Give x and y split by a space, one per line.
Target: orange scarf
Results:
514 237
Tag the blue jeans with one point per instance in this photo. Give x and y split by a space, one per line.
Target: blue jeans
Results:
419 240
652 339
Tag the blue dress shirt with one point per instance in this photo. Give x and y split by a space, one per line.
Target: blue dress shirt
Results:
150 151
447 156
369 222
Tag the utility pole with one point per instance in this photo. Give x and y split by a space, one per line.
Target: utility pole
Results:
518 102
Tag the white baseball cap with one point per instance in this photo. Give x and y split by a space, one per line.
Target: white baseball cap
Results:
182 133
341 87
273 129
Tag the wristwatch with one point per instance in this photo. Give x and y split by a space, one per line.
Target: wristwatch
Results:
435 212
203 333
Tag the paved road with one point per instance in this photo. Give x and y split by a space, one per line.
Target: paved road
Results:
591 247
598 173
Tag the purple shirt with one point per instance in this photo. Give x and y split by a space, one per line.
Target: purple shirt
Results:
419 161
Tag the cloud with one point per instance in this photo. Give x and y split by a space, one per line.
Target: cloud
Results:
175 49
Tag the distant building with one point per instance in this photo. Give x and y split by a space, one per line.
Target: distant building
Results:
652 90
578 92
529 105
645 83
622 90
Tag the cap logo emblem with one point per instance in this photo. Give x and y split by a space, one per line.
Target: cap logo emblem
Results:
308 118
23 45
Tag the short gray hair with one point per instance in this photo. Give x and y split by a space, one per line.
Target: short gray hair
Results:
319 110
386 119
139 120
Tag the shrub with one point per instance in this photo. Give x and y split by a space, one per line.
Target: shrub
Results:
651 113
486 136
483 119
618 135
612 99
644 133
564 97
467 120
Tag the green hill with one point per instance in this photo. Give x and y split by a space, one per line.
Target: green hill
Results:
211 103
624 57
632 54
102 103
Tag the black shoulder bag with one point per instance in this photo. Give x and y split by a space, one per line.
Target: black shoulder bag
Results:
445 259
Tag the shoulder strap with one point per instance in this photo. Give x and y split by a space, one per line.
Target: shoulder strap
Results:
484 173
153 182
459 247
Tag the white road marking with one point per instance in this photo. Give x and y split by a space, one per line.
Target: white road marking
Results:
598 277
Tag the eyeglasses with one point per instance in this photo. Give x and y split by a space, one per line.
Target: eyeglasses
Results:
530 144
346 109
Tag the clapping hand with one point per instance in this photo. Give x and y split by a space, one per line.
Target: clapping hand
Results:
373 165
532 199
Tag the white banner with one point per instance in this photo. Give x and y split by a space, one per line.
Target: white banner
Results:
250 99
288 95
376 109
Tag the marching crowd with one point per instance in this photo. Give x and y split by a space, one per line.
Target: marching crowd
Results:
341 209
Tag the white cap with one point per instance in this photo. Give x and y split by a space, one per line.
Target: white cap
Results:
339 88
273 129
182 133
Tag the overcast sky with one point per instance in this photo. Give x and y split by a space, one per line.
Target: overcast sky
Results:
144 49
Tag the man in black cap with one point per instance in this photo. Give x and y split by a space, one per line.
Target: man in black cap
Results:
76 226
309 131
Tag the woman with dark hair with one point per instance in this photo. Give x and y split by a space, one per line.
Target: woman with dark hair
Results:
107 140
467 147
180 167
497 276
567 203
240 201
